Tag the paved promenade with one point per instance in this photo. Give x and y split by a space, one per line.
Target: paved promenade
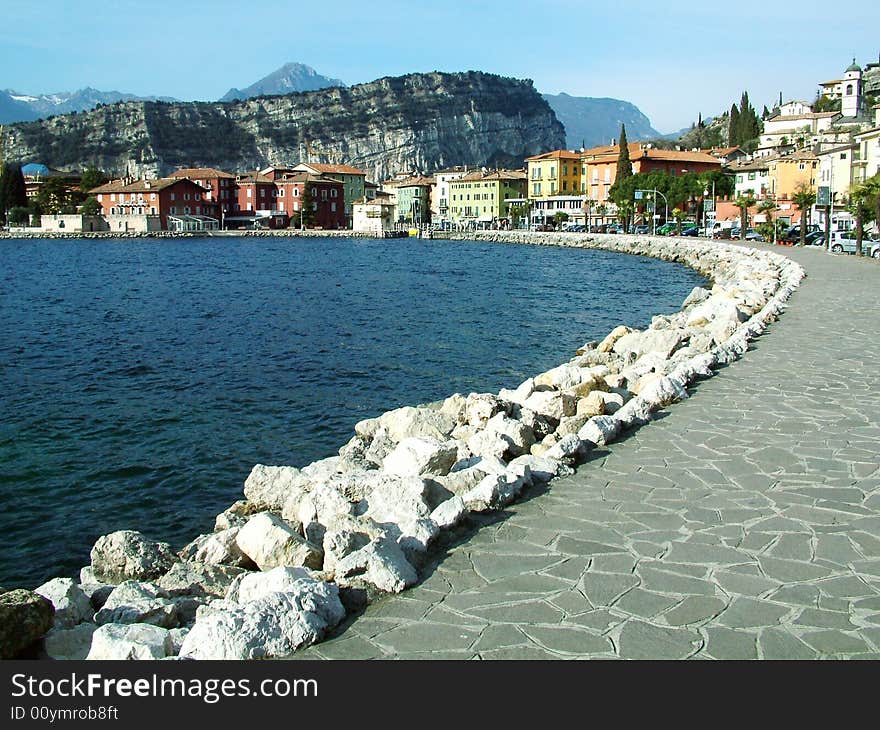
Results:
744 524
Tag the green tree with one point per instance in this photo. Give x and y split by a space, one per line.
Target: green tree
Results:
865 205
560 217
733 126
92 178
803 197
55 196
744 202
13 192
306 217
90 206
18 216
624 164
767 207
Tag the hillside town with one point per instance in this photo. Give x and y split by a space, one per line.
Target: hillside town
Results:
811 161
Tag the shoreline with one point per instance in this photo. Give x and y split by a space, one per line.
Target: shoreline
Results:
493 433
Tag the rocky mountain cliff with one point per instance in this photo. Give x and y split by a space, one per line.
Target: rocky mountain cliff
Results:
287 79
591 121
416 122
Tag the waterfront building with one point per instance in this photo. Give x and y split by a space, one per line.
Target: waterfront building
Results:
353 182
272 197
788 172
441 198
835 170
150 204
482 197
866 155
373 215
751 177
414 200
554 173
221 196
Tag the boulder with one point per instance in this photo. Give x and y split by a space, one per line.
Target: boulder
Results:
455 406
698 294
268 487
661 390
663 342
449 513
519 394
497 490
488 444
236 515
637 412
143 603
407 422
607 345
344 539
251 586
420 455
542 469
218 548
24 617
570 425
273 626
270 541
569 450
480 407
552 404
129 555
592 404
540 425
381 563
198 579
600 430
569 377
72 605
130 641
69 643
517 434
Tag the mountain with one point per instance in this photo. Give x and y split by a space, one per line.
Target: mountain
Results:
590 121
287 79
418 122
16 107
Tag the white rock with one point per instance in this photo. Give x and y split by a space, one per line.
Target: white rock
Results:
480 407
218 548
127 554
520 394
662 342
72 605
542 469
663 391
488 444
69 643
251 586
421 455
381 564
449 513
636 412
273 626
406 422
607 345
698 294
270 541
568 449
552 404
270 486
198 579
143 603
130 641
516 433
600 430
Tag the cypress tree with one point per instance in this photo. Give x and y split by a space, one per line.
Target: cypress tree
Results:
624 165
733 126
17 188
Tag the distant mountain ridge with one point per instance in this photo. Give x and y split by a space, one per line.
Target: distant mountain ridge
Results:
18 107
591 121
291 77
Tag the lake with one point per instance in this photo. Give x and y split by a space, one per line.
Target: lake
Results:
141 379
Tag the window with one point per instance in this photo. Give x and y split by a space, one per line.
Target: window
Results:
173 210
186 196
113 197
281 193
248 193
536 188
152 196
334 193
751 176
281 206
843 155
262 192
296 193
332 207
152 211
186 210
324 194
552 171
849 89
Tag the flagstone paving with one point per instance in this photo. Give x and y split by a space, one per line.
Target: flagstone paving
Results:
742 524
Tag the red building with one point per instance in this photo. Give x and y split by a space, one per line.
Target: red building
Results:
163 197
272 198
222 194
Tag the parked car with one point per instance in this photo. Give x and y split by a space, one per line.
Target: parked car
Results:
691 231
667 229
614 228
751 234
815 238
641 229
793 233
845 242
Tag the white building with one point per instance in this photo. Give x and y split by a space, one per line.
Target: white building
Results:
374 216
851 101
440 199
752 178
835 171
801 130
866 162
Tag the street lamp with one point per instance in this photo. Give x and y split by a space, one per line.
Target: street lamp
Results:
639 194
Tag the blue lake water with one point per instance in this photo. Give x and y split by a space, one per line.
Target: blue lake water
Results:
140 380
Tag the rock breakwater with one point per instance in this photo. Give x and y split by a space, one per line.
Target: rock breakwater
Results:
283 565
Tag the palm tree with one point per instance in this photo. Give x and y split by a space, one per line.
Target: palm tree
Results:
744 202
768 208
804 197
865 202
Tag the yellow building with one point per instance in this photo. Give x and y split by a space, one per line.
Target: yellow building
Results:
481 197
788 172
554 173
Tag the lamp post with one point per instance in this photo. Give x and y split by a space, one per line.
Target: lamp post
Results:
639 194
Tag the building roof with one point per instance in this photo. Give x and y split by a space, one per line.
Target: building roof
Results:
335 169
752 165
807 115
555 155
854 67
479 175
415 181
674 155
201 172
721 151
253 177
142 186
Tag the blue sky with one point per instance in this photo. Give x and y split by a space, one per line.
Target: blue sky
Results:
672 61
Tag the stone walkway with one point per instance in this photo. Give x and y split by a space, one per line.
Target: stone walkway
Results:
744 524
